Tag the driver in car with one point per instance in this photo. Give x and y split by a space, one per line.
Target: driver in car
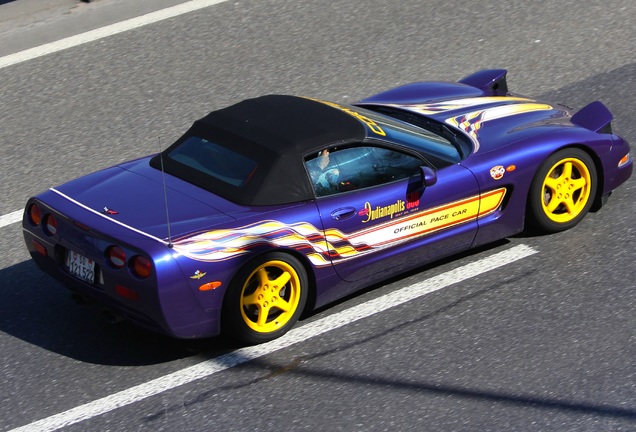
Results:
323 173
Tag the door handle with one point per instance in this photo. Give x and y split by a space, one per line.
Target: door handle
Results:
343 213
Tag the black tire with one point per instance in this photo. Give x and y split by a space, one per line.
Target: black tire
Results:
265 299
562 191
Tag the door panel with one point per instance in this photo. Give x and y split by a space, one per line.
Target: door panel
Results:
400 225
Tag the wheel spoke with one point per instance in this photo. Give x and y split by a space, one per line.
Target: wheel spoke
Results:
251 299
567 171
281 280
282 304
263 278
578 183
552 183
263 313
553 204
569 205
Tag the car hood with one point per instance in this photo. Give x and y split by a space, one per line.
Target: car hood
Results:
133 195
488 121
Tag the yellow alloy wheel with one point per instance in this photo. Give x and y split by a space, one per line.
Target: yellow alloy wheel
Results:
562 191
566 190
270 296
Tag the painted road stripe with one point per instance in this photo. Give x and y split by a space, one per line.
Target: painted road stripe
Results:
91 36
106 31
10 218
300 334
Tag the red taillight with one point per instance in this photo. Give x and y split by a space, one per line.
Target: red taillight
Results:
116 256
141 266
35 214
126 292
50 224
39 247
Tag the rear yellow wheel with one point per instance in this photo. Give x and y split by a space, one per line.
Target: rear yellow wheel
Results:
266 299
563 190
270 296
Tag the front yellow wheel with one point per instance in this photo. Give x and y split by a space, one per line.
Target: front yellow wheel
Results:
566 190
563 190
265 298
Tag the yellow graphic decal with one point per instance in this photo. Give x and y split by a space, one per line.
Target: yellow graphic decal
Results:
451 105
430 220
221 245
332 246
474 120
366 120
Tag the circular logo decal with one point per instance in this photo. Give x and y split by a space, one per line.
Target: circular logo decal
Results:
497 172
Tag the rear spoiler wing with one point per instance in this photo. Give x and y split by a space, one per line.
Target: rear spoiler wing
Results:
492 82
595 117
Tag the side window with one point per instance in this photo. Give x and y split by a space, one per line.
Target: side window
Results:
342 170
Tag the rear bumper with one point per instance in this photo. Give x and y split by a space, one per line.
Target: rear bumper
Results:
52 264
162 302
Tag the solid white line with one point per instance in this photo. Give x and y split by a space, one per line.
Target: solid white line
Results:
106 31
10 218
300 334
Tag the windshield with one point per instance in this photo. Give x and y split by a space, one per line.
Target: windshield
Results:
441 135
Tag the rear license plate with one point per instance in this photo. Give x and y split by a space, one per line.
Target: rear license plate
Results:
80 266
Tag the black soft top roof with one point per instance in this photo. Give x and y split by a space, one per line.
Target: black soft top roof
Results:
276 131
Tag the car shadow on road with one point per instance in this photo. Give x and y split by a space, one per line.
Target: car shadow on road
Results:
39 310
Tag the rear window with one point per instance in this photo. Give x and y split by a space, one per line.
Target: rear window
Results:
214 160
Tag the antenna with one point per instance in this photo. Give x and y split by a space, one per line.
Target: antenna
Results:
165 194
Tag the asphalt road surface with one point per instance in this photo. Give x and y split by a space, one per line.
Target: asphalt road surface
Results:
544 341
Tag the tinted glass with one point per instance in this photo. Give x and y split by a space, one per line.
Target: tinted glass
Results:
214 160
355 168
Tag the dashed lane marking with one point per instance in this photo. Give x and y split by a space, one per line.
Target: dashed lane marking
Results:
109 30
10 218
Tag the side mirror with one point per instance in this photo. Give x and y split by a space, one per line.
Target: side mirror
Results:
429 177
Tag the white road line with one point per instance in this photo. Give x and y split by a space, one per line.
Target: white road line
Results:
10 218
300 334
106 31
91 36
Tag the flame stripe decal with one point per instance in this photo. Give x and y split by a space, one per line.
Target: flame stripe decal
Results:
332 245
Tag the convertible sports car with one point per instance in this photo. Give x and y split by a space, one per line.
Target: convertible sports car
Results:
282 204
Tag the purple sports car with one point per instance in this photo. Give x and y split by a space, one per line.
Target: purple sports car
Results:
282 204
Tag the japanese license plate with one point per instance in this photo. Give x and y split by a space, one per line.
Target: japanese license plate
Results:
80 266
